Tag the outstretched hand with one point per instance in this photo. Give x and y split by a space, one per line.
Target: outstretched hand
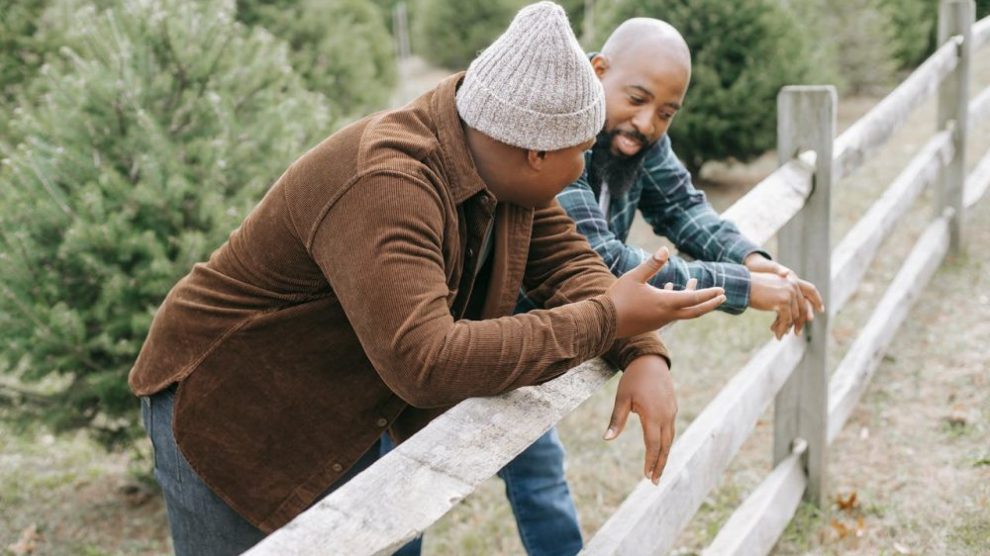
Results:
646 389
640 307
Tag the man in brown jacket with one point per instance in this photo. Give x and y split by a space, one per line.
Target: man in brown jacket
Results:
376 280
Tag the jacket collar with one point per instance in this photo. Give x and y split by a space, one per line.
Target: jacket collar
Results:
463 177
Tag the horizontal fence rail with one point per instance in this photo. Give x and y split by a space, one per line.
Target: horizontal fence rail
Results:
855 370
853 255
436 468
424 477
757 524
872 130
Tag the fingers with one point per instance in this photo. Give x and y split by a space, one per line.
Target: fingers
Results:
797 308
702 308
785 319
775 327
620 412
692 284
666 441
650 266
810 292
669 286
652 434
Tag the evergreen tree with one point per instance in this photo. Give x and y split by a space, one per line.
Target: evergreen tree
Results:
342 49
163 124
743 52
450 34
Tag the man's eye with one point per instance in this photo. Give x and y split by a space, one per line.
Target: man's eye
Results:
636 100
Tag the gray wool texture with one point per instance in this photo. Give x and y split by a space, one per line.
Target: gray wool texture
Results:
534 87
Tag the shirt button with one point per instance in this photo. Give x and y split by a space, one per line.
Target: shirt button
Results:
470 252
338 467
382 422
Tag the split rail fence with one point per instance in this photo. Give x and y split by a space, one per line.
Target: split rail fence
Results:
417 483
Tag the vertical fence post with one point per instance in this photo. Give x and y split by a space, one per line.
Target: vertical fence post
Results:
400 28
806 121
955 17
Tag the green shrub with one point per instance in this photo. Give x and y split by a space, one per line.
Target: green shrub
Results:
162 125
743 53
19 54
342 49
450 34
855 38
913 24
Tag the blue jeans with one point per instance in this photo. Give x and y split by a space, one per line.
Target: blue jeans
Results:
201 523
539 496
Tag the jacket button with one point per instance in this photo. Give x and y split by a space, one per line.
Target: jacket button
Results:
338 467
470 252
382 422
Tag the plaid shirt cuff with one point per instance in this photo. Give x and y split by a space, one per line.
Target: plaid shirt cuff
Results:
733 278
744 248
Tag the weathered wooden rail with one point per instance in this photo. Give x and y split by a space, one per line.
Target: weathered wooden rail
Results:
418 482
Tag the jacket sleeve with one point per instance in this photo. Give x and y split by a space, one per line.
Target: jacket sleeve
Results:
578 200
563 269
381 246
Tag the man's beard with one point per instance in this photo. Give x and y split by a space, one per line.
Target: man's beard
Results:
618 171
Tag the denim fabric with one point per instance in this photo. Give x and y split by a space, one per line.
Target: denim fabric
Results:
540 499
538 493
201 523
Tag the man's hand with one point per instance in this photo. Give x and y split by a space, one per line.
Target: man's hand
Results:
639 307
804 298
647 390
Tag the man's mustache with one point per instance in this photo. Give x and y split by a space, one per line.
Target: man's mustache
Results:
634 135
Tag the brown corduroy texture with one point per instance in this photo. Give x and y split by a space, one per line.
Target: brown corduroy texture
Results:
338 304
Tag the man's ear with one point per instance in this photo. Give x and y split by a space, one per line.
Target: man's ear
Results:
600 63
536 159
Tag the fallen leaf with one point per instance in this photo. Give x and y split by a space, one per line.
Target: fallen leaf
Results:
28 543
848 503
840 529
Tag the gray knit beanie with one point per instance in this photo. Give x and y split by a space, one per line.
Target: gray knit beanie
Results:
534 87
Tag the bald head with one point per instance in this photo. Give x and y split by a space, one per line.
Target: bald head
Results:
645 68
644 37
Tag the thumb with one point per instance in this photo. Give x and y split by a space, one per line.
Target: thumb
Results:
620 412
650 266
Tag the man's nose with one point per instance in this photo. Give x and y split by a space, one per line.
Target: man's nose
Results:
645 123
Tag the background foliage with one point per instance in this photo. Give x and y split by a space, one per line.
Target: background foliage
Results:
450 34
159 127
342 49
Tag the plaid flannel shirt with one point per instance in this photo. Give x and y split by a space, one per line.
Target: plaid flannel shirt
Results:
664 194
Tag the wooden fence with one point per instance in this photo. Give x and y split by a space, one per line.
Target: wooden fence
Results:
417 483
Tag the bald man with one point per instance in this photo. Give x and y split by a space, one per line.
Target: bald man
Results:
645 68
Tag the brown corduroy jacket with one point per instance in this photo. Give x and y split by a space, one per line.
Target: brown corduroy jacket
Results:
338 307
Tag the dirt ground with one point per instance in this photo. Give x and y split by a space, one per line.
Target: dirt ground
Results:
916 452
